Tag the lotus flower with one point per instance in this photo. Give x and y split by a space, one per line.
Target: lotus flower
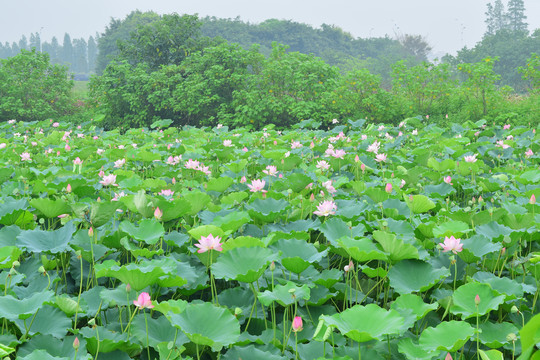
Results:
227 143
326 208
108 180
448 180
296 145
388 188
380 158
119 163
25 156
374 148
322 165
529 153
532 200
270 170
452 244
209 243
339 153
470 158
77 161
158 213
329 187
166 192
191 164
506 127
257 185
143 301
477 300
297 324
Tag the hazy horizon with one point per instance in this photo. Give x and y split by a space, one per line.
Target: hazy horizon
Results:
447 26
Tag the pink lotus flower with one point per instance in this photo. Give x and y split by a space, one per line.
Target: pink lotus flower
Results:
243 180
374 148
166 192
501 143
380 158
388 188
532 200
76 343
448 357
158 214
173 160
25 156
328 185
448 180
191 164
470 158
3 145
363 167
227 143
257 185
119 163
61 216
452 244
270 170
143 301
414 132
297 324
326 208
245 149
339 154
349 267
296 145
109 180
356 159
528 153
100 151
68 188
67 147
402 184
477 300
335 121
322 165
204 169
209 243
506 127
77 161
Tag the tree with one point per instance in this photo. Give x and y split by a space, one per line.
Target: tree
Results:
80 56
92 54
416 46
35 41
495 17
33 89
23 43
54 51
515 17
67 51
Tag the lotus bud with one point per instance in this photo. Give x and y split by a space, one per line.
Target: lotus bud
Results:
511 337
477 300
514 310
41 270
128 288
237 311
532 200
91 232
272 266
92 322
15 264
76 343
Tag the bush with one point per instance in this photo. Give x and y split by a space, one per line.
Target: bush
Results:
33 89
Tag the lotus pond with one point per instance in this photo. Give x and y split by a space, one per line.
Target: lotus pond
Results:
360 241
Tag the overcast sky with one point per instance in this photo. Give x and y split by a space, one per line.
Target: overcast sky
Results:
448 25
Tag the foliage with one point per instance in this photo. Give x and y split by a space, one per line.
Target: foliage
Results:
31 88
531 73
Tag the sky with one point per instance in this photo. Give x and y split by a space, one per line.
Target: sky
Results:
447 25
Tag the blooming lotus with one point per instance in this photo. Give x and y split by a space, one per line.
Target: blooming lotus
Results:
374 148
204 169
326 208
3 145
388 188
257 185
451 244
270 170
166 192
158 214
339 154
143 301
227 143
529 153
448 180
173 160
414 132
77 161
380 158
25 157
119 163
329 187
501 143
296 145
322 165
191 164
209 243
108 180
506 127
470 158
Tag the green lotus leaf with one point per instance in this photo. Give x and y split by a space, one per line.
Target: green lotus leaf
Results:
335 228
175 306
267 210
451 228
9 254
328 277
503 285
10 205
251 352
494 335
530 335
491 355
361 250
118 296
139 275
206 230
442 190
234 198
475 247
159 330
365 323
197 201
206 324
243 264
232 222
237 166
285 294
51 208
409 276
68 305
109 340
414 303
148 231
12 308
411 350
47 241
242 241
464 300
297 255
396 248
448 336
39 354
58 348
49 321
419 204
493 230
297 182
173 209
102 212
219 184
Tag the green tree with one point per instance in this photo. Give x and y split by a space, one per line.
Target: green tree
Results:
531 73
416 46
35 41
33 89
92 54
495 17
67 51
23 43
116 31
80 56
515 16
